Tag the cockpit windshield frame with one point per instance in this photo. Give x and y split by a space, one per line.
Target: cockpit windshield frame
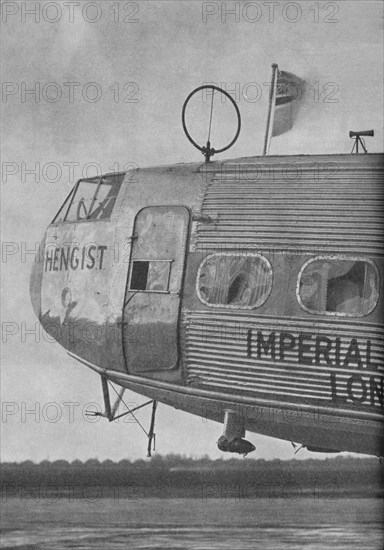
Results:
110 199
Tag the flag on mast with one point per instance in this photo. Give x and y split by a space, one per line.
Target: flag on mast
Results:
286 90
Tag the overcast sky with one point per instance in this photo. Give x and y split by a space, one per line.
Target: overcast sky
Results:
109 91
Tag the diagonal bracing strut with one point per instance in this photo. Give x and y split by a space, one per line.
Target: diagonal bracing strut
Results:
110 411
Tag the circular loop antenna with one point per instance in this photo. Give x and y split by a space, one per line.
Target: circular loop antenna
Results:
209 151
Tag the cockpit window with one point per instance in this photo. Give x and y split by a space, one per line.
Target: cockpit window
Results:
63 210
234 280
92 199
337 286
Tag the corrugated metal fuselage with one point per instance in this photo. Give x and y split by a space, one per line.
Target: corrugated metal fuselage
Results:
290 373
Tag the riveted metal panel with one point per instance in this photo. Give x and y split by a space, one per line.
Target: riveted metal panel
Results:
330 203
233 353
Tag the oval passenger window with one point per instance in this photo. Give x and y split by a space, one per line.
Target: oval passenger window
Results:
336 286
234 280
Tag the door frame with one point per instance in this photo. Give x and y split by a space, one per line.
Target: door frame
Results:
180 292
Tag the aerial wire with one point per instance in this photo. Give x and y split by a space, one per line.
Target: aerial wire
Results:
210 118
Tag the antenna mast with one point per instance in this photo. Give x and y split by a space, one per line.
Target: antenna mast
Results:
359 140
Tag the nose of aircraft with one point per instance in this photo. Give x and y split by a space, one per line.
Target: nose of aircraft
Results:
36 278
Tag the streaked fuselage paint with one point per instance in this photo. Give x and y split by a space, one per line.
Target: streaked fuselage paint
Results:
314 379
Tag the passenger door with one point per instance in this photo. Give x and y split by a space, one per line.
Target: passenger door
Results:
152 298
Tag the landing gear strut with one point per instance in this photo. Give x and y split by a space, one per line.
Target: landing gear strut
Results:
110 411
232 439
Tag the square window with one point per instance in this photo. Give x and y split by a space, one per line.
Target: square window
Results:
150 276
139 275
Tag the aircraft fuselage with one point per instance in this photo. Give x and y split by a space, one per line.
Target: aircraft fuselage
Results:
254 285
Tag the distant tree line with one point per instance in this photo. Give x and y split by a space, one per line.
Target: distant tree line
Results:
175 475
